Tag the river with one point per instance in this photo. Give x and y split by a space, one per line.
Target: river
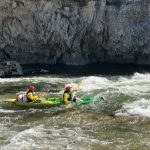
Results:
120 121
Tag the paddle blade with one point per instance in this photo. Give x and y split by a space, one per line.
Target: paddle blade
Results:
76 87
79 83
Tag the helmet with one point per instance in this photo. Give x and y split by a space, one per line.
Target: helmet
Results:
68 87
31 88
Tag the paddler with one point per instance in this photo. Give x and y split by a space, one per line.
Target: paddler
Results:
68 95
30 94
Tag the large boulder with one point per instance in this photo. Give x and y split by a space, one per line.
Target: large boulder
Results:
10 68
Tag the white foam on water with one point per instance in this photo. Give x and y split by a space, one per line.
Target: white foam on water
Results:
33 79
6 111
138 84
137 108
93 83
52 137
94 141
25 139
141 76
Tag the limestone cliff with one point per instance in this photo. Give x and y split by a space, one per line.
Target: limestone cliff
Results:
75 31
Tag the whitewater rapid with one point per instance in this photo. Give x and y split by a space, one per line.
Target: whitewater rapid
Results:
129 95
120 121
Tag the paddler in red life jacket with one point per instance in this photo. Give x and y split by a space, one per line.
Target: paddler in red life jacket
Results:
67 96
30 94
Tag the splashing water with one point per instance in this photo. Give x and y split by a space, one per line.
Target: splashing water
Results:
120 121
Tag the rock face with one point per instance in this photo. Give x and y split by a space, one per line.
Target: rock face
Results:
10 68
75 32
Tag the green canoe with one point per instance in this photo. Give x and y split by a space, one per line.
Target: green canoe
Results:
52 102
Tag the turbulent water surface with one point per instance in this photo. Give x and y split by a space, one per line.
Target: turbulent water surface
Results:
120 121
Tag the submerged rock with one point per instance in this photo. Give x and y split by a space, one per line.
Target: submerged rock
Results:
75 32
10 68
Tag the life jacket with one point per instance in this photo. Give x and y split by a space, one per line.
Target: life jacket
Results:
28 99
70 95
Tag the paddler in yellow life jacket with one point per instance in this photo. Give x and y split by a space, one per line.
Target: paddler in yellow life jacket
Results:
67 96
30 94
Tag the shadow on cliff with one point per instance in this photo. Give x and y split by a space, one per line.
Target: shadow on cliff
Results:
86 70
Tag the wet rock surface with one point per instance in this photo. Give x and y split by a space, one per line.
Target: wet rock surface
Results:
10 68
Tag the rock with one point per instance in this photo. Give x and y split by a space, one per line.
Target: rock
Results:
75 32
10 68
44 71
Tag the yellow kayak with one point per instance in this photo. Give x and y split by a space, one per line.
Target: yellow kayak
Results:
40 103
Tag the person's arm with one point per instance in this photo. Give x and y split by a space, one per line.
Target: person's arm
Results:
30 96
73 90
66 96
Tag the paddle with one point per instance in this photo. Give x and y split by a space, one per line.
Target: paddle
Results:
74 91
